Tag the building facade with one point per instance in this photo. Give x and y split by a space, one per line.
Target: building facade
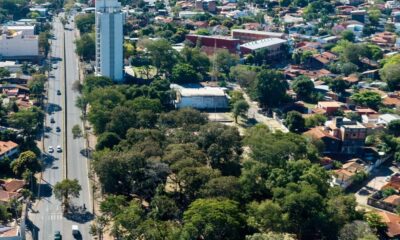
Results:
109 39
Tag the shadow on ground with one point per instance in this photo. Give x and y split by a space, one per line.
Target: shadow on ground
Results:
79 214
33 229
51 108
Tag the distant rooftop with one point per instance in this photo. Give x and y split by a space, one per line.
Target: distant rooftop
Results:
267 42
271 34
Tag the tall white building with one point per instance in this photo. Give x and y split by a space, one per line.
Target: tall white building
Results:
109 39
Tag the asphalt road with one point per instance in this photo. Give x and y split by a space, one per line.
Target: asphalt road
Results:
47 214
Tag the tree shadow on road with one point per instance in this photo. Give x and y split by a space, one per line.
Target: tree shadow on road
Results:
33 229
45 190
51 108
48 160
78 214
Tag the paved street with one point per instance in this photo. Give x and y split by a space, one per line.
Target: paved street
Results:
375 183
47 215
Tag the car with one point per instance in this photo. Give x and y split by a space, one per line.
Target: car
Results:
57 235
55 66
75 231
51 149
59 148
52 120
51 76
58 92
58 129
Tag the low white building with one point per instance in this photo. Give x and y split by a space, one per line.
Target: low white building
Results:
18 42
385 119
201 98
11 66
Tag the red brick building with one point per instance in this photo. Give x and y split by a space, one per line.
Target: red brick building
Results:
215 42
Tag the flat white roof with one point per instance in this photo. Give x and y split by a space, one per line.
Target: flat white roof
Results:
7 64
206 91
263 43
276 34
20 27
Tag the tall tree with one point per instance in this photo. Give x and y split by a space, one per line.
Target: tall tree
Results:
270 88
66 189
213 219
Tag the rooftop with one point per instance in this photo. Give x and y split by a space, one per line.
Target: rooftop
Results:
7 146
275 34
206 91
263 43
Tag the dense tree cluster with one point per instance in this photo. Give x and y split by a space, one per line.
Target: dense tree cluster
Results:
174 175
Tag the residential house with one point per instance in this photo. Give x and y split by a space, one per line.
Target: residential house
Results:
10 189
385 119
392 222
345 176
8 149
351 133
321 60
328 107
10 233
332 144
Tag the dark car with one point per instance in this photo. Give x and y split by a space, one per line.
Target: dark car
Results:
58 129
58 92
57 235
52 120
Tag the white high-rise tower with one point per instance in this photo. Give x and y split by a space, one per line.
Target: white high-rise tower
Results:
109 39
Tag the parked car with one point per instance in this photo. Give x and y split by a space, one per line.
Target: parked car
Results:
51 149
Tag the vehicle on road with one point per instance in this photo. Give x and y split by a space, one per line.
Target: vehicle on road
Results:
59 148
57 235
51 149
55 66
75 231
58 129
58 92
51 76
52 120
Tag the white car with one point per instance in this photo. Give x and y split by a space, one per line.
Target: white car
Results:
75 231
59 148
51 149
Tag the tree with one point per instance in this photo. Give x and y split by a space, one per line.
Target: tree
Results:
197 59
357 230
338 85
304 87
240 108
4 72
162 55
107 140
314 120
390 73
85 22
27 120
26 161
367 99
36 84
44 44
224 186
375 221
270 88
66 189
4 214
295 122
76 131
394 127
223 61
163 208
184 73
348 35
265 216
213 219
270 236
85 47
